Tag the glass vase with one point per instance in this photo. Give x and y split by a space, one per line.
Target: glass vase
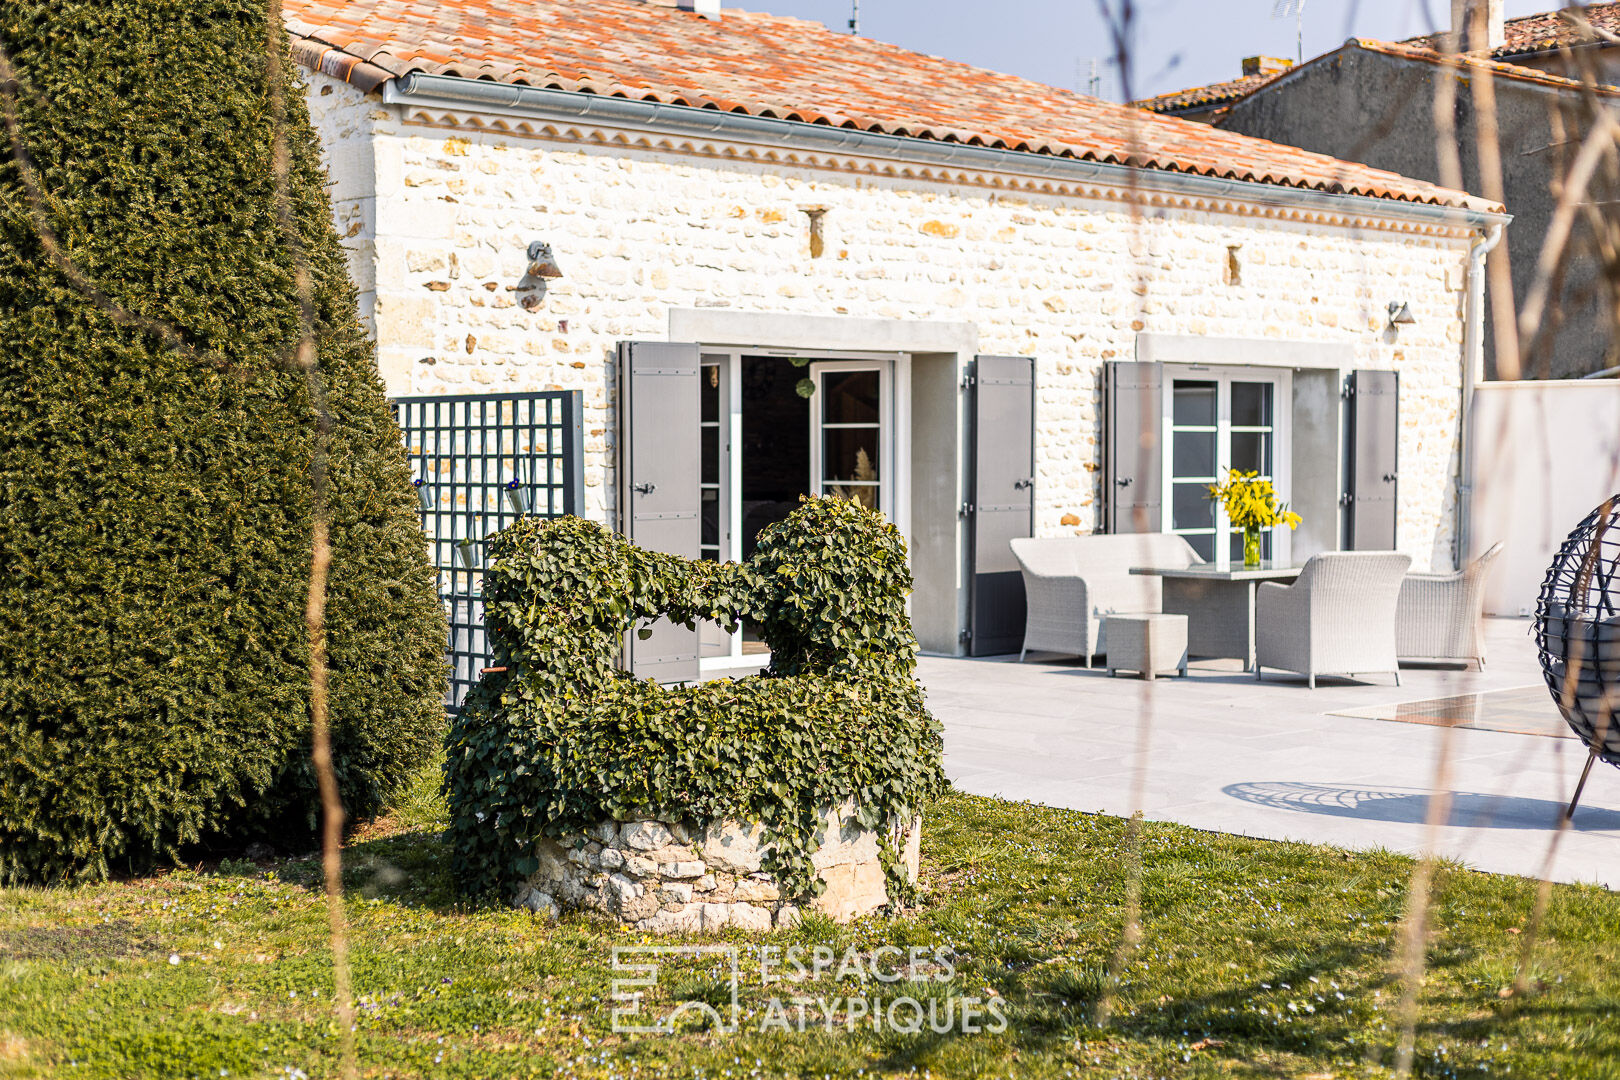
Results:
1251 545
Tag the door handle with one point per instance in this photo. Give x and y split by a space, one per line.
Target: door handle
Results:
1389 478
1124 481
1027 482
643 489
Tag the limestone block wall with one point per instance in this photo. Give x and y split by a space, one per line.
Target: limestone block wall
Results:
673 877
1070 280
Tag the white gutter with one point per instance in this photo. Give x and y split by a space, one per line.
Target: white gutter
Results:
486 96
1473 374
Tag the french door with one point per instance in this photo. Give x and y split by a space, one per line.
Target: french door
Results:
1216 419
754 463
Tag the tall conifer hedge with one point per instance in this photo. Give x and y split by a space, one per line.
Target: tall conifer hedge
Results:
155 521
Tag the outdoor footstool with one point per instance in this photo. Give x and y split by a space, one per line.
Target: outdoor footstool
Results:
1150 644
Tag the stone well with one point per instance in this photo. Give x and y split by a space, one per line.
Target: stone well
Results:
671 876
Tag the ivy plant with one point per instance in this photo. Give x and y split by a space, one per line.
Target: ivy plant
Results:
558 738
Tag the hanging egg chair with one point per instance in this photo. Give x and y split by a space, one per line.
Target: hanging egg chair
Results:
1578 635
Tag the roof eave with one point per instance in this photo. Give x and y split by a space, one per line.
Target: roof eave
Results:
453 92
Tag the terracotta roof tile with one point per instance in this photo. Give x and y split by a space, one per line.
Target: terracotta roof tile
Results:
1544 32
1200 96
785 67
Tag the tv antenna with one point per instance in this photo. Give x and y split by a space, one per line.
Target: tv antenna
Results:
855 17
1284 8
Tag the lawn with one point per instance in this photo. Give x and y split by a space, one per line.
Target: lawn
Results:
1256 959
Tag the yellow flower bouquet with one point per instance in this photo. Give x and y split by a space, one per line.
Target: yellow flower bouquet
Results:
1251 505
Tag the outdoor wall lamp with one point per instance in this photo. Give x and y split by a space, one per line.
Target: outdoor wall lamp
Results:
1400 314
542 263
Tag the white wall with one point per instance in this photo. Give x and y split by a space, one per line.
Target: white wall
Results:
1545 455
1073 281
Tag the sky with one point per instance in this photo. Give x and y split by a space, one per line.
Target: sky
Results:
1178 43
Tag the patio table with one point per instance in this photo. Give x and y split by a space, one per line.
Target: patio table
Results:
1219 604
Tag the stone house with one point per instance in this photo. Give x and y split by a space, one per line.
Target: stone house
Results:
797 261
1374 101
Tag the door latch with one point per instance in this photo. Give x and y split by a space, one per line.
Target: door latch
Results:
644 489
1389 478
1124 481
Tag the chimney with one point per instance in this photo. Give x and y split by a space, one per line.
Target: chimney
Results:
709 9
1476 27
1265 65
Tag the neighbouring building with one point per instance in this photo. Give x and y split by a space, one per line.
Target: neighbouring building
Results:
793 261
1373 102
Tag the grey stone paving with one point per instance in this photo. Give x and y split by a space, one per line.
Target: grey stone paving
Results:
1268 760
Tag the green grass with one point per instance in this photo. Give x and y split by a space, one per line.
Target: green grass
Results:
1256 959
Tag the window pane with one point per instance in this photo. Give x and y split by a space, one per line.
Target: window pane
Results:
710 437
1251 404
1251 451
849 397
865 494
849 454
1204 544
1193 404
1193 453
1191 507
710 518
709 392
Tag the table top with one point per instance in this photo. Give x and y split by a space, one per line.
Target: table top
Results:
1266 571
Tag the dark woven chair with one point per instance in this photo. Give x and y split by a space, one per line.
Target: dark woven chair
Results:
1578 635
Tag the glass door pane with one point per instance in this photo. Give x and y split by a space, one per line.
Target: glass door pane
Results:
849 434
1194 456
1252 434
714 486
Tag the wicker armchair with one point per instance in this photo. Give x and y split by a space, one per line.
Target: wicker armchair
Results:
1071 582
1337 618
1438 617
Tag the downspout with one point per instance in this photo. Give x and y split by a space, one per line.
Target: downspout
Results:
1473 373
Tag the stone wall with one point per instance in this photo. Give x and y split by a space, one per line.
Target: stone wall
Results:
1071 280
669 876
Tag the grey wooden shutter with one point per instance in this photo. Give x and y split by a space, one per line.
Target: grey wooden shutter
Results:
1003 498
659 470
1374 441
1133 469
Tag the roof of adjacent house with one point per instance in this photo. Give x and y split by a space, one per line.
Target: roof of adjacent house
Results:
774 66
1204 97
1547 31
1526 35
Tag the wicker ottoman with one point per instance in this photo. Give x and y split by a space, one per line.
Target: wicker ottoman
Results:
1149 644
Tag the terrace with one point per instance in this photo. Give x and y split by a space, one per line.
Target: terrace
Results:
1353 763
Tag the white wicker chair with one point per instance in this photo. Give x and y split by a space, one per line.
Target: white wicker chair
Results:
1439 615
1071 582
1337 618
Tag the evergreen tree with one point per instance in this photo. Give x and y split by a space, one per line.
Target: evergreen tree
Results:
155 445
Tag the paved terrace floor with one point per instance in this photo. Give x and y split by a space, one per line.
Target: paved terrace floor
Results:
1270 760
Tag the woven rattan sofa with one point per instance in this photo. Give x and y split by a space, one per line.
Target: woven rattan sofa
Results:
1072 582
1336 618
1439 615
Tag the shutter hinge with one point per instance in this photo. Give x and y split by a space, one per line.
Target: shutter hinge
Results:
964 634
1346 499
968 379
967 510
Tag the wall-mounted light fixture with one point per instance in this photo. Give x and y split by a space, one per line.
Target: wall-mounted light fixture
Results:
542 263
517 500
1400 314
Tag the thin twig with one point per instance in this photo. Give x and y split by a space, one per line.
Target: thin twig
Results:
308 362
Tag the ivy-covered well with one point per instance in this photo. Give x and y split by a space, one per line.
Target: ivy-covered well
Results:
561 740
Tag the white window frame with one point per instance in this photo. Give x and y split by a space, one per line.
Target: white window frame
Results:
1223 376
